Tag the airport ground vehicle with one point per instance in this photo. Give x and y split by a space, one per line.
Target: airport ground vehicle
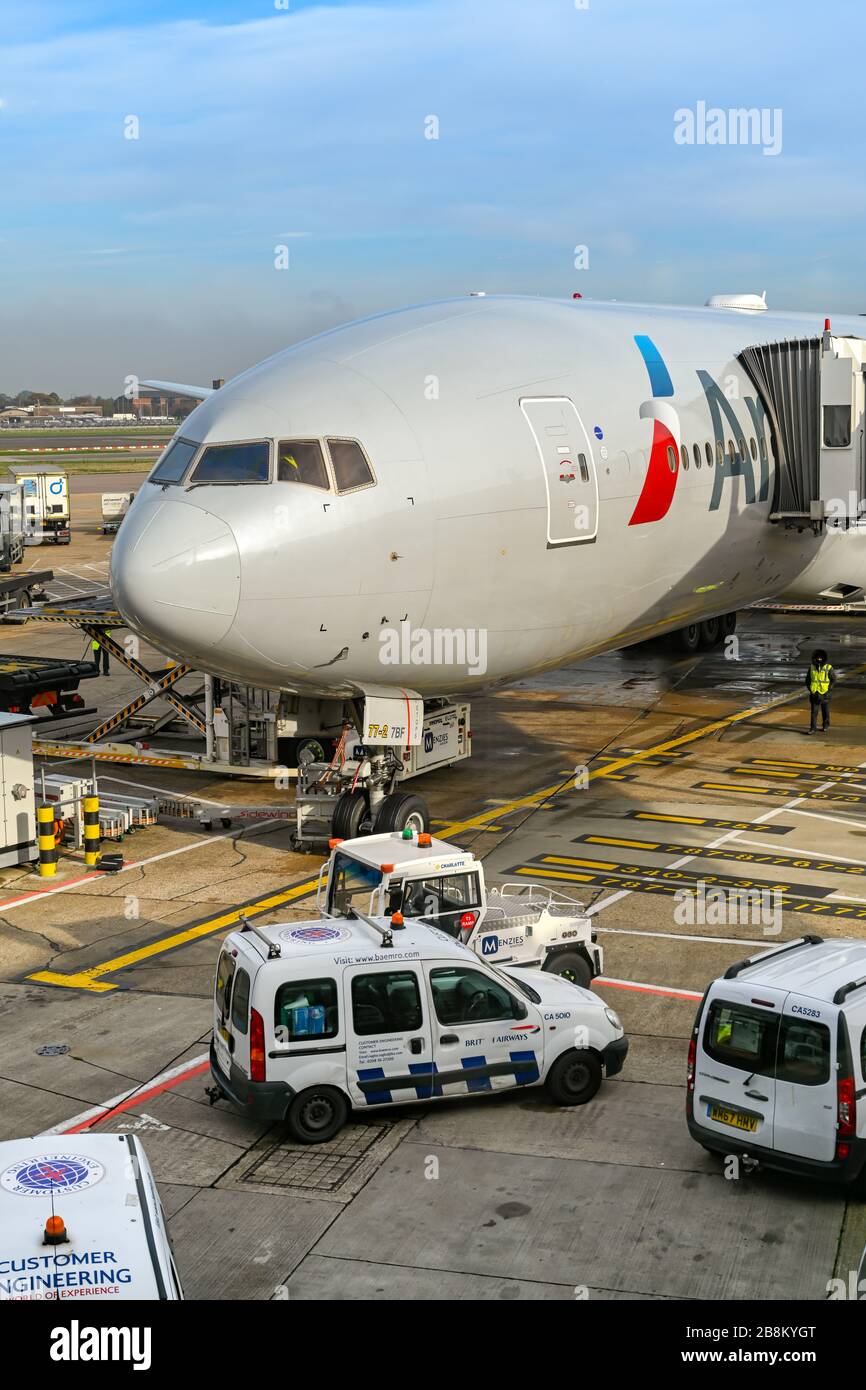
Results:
80 1217
43 685
314 1018
22 590
777 1060
11 525
115 505
46 502
420 876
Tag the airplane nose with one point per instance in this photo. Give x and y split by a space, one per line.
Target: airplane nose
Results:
175 575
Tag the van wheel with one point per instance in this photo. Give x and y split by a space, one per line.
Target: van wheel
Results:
574 1078
317 1115
571 966
400 810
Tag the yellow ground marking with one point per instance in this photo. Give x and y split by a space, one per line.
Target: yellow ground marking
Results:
623 844
630 760
91 978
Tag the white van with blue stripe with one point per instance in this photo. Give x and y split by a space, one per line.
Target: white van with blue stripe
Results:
313 1019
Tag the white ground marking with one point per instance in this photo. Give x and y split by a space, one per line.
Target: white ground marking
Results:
804 854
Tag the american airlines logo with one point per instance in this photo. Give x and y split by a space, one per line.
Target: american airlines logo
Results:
731 460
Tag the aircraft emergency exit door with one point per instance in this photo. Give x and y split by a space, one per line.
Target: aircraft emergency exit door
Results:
568 466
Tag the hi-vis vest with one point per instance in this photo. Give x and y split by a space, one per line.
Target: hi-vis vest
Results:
819 679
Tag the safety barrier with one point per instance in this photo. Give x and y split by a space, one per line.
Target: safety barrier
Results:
91 830
47 841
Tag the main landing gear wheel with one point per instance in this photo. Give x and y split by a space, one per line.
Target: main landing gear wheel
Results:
688 639
709 632
728 624
400 810
351 816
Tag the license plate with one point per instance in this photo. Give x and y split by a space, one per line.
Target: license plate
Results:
222 1054
735 1118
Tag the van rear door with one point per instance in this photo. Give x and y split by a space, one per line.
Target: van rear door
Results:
805 1120
735 1086
232 989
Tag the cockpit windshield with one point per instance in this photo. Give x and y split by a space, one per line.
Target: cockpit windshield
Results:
233 463
301 461
174 462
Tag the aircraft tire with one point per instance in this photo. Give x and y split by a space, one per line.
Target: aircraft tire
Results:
401 809
349 812
688 639
728 624
710 632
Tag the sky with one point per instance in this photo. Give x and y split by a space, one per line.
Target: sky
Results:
294 133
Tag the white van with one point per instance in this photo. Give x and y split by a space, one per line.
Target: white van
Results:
777 1060
313 1018
80 1218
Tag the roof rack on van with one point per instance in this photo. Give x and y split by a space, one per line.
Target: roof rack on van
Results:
734 970
842 993
274 949
384 932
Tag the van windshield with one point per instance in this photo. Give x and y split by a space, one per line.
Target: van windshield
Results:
351 885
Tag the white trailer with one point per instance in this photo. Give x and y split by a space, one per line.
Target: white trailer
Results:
11 525
46 502
115 505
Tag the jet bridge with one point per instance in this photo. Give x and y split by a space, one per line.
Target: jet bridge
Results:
814 393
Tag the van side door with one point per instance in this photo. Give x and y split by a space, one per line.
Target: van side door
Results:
806 1073
388 1040
486 1037
735 1084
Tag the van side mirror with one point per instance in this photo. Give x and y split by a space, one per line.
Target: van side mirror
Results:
520 1009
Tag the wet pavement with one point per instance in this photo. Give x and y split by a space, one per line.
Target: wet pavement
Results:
620 781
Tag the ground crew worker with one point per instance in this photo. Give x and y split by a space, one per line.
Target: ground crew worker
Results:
97 647
820 678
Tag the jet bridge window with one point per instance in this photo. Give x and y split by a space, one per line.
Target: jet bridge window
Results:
302 461
174 462
233 463
837 426
351 469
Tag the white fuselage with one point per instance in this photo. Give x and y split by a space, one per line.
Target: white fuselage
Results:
477 417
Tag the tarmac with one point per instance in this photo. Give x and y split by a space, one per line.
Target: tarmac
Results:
620 781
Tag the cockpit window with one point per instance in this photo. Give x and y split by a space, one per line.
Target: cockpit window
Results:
301 461
174 462
351 469
233 463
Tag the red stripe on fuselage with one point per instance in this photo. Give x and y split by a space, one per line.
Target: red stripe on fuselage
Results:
658 487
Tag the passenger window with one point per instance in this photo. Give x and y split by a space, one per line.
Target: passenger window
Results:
720 453
804 1052
351 469
584 471
223 986
740 1037
302 461
837 426
697 455
672 458
306 1009
742 447
241 1001
684 456
763 446
174 462
233 463
462 995
732 453
386 1002
709 453
754 448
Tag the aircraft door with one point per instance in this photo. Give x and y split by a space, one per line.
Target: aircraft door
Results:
569 469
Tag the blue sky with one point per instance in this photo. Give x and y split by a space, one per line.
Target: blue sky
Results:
262 126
